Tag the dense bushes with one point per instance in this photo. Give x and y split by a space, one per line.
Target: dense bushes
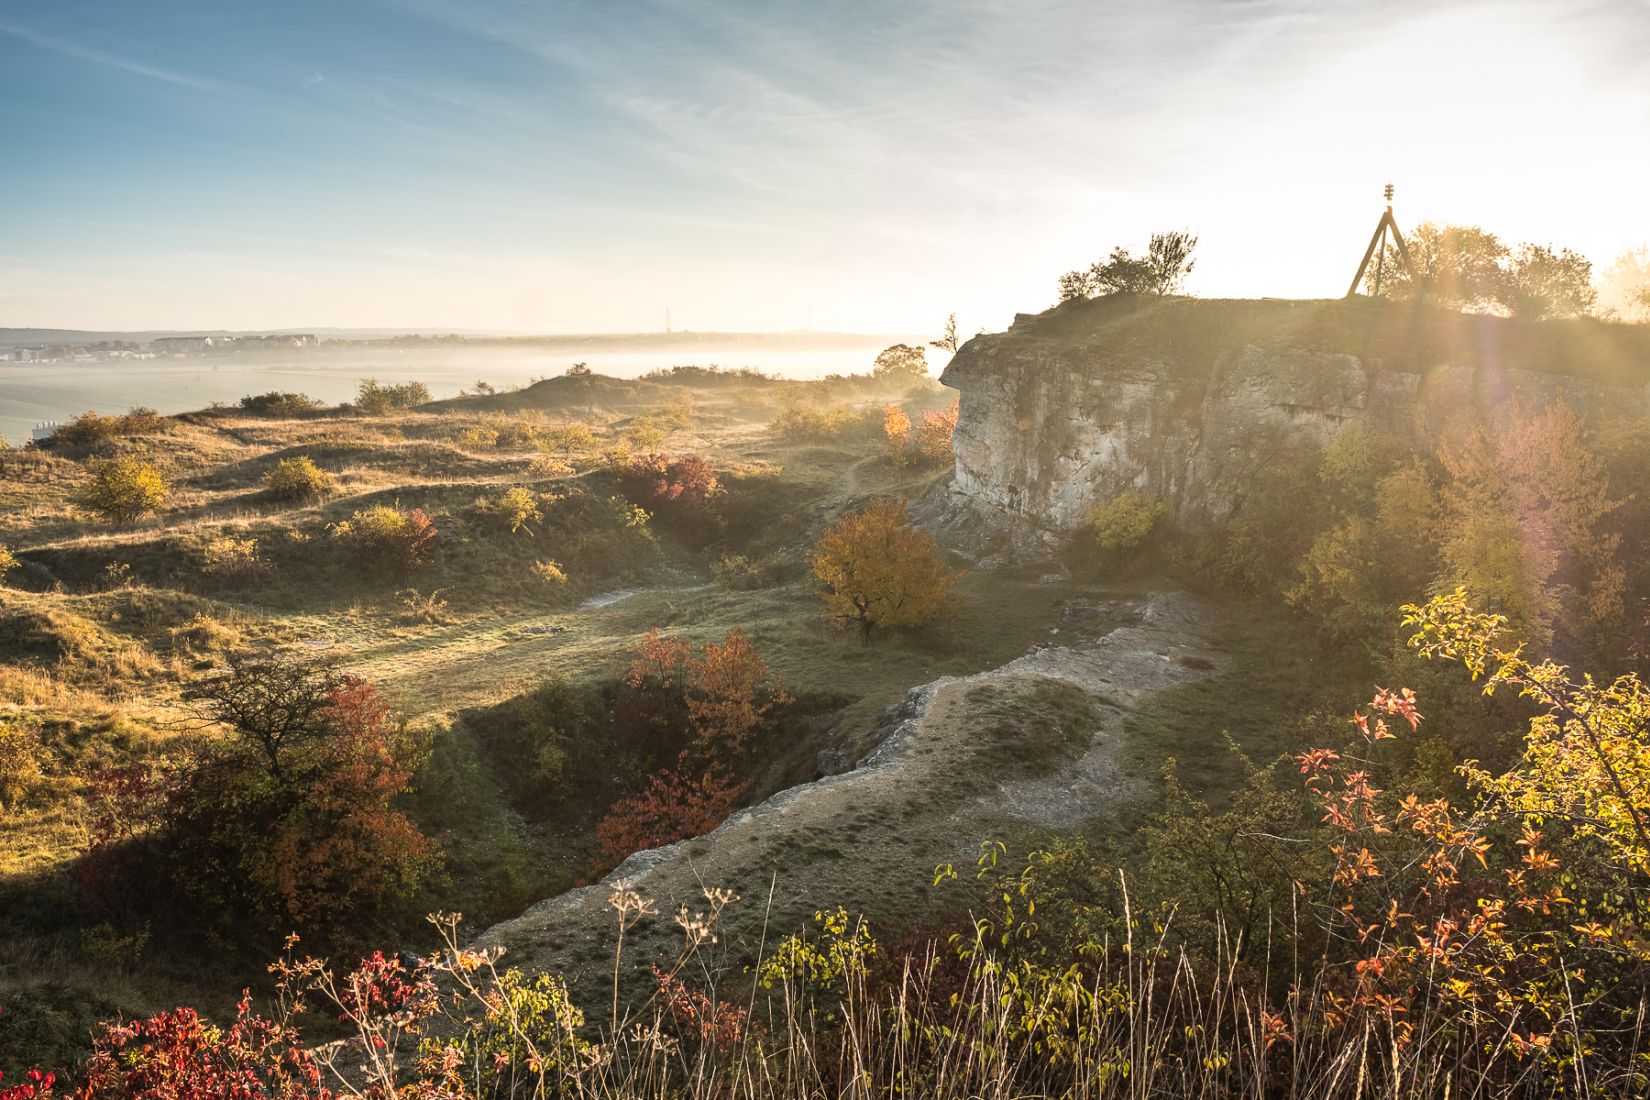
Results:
810 424
555 738
123 489
1335 933
89 429
1534 515
278 404
375 399
705 708
503 433
681 492
663 753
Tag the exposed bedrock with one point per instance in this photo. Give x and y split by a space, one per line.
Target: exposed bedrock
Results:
1187 399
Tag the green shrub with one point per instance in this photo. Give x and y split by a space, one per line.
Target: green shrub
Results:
551 737
390 537
8 561
376 400
298 479
1124 523
122 489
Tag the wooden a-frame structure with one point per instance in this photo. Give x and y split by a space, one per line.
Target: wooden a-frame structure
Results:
1377 250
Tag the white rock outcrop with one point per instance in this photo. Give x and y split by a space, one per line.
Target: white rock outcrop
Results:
1187 399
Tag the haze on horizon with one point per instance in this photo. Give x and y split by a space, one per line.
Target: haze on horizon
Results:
562 167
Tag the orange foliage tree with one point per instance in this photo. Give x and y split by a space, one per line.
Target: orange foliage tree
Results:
878 571
934 433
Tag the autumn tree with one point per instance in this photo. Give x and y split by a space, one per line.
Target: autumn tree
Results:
290 818
879 571
896 432
1624 287
725 691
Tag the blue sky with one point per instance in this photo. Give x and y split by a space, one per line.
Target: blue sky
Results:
538 165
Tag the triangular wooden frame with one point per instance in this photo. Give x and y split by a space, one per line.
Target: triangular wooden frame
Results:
1387 224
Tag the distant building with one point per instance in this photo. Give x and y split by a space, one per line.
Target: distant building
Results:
43 431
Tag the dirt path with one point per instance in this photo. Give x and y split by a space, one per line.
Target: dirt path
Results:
1030 745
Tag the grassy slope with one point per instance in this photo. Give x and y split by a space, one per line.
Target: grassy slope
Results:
1402 336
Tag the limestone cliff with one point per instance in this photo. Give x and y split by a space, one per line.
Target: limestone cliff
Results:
1186 399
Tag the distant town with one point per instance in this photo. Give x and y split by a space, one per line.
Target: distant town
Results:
160 347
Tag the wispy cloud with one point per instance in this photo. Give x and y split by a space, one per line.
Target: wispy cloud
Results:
81 52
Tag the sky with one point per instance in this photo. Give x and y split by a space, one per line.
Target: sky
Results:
585 165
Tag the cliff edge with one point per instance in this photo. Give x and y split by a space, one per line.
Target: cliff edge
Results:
1186 399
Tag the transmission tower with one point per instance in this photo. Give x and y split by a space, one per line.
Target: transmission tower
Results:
1377 249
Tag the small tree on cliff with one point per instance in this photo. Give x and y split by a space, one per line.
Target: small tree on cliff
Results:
949 341
877 570
1162 270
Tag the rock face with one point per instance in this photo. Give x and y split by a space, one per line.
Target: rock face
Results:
1188 399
